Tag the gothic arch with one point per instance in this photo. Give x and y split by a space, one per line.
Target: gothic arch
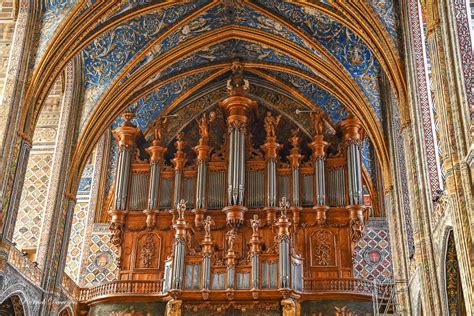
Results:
112 102
18 291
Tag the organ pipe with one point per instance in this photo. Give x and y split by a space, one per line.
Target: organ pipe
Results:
179 162
319 147
125 134
353 136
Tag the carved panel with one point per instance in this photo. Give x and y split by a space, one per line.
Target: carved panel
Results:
148 252
323 249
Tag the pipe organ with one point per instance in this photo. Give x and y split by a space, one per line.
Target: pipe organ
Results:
241 220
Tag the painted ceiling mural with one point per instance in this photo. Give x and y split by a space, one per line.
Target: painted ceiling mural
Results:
130 46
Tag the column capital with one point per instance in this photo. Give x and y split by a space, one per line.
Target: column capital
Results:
126 133
352 130
318 146
156 152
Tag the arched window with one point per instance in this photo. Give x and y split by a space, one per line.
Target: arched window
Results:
453 289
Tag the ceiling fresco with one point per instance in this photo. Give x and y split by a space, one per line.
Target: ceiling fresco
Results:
113 57
54 12
339 40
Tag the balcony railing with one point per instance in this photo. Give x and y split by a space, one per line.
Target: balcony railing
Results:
23 264
119 288
346 286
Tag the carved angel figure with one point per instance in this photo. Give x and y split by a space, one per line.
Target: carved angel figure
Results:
284 205
208 222
159 128
231 235
271 124
180 142
318 122
294 139
255 224
204 124
181 208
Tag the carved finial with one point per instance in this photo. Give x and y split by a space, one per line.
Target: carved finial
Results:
181 208
208 222
237 84
284 205
271 124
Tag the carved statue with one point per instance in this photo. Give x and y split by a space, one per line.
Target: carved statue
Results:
318 122
255 224
116 229
237 81
181 208
294 139
208 222
231 235
357 229
271 124
204 124
284 205
159 128
180 142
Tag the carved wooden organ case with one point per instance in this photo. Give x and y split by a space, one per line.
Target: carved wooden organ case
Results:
218 214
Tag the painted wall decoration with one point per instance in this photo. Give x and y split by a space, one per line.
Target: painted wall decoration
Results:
372 257
128 309
387 10
101 259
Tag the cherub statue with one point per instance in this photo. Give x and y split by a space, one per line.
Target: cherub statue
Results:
271 124
231 235
208 222
181 208
255 224
318 122
284 205
159 128
294 139
204 124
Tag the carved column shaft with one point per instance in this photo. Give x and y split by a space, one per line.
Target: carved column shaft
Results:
179 161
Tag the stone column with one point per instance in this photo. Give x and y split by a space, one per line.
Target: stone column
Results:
295 158
283 238
14 201
353 136
179 161
319 146
180 227
126 135
202 151
237 106
271 148
13 158
156 151
454 123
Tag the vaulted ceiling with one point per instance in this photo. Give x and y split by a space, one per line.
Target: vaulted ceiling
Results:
156 56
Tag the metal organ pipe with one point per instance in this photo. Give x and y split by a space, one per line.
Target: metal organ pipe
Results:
242 170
